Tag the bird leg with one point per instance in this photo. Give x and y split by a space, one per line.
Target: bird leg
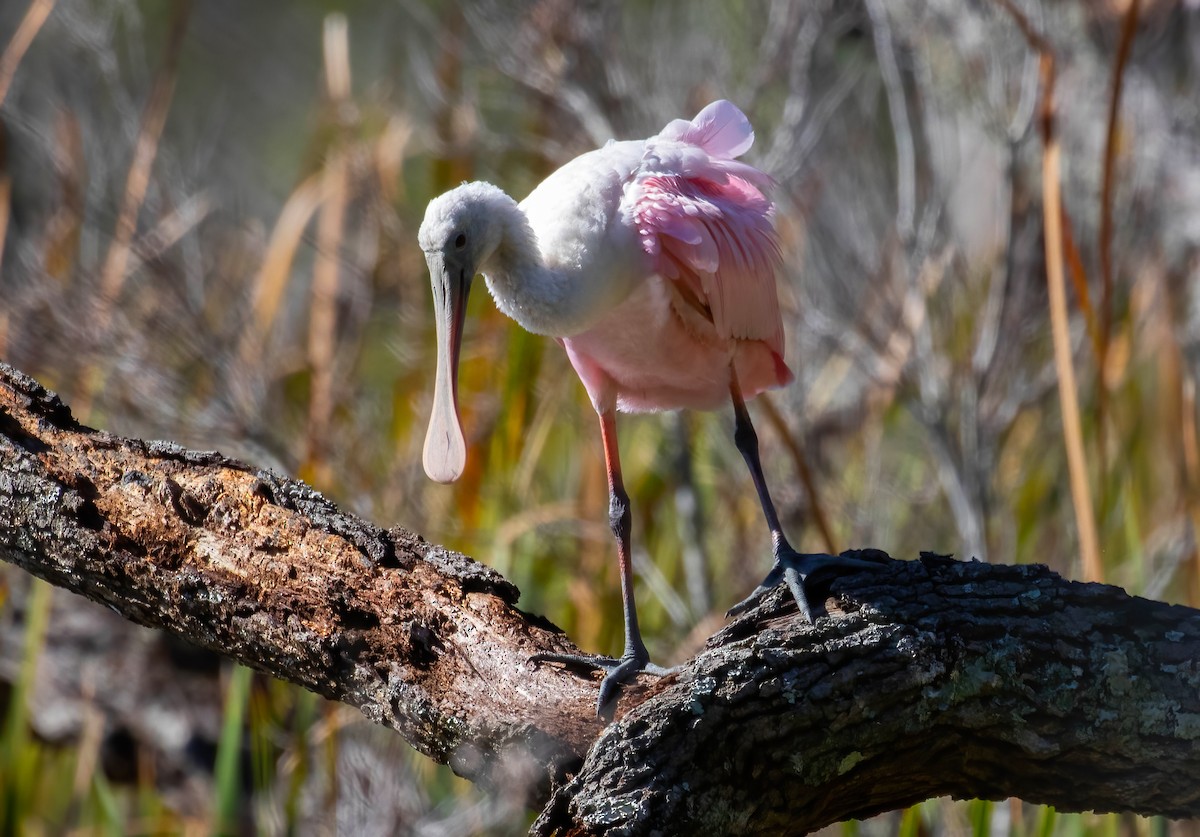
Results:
795 568
635 658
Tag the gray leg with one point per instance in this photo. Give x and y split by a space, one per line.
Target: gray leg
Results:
790 566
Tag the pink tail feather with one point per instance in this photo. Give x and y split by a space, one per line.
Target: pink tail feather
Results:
721 129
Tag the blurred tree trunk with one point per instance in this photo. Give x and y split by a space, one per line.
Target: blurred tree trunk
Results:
933 677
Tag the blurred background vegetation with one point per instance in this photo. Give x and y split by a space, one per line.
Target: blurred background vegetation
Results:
208 218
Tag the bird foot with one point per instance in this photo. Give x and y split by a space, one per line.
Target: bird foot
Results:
620 671
799 569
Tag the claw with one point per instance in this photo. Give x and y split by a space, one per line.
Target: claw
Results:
797 570
620 671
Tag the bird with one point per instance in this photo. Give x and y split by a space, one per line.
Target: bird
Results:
653 263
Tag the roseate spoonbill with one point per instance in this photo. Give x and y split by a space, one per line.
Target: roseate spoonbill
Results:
653 263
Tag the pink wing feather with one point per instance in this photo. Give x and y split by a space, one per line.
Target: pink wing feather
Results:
703 217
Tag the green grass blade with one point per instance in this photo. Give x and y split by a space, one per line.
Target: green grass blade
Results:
980 811
108 809
227 778
910 822
1045 822
18 754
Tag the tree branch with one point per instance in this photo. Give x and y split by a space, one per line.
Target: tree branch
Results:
939 678
267 571
933 676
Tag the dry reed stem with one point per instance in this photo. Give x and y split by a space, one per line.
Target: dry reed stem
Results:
63 230
893 83
1052 214
322 330
5 212
137 182
1128 28
389 157
1191 464
1068 391
27 30
528 520
5 207
276 268
170 230
1060 327
1067 388
335 42
90 740
1079 282
18 45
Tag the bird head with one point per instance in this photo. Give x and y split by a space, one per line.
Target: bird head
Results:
459 233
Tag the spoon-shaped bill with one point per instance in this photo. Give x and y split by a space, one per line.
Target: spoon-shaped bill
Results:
445 453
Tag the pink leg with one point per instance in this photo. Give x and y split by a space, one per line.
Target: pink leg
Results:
619 520
635 658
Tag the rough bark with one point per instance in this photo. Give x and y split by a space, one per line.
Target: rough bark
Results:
939 678
931 677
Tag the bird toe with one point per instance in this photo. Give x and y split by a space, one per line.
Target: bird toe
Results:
801 572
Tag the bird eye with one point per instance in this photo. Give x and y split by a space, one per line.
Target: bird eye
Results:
460 241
